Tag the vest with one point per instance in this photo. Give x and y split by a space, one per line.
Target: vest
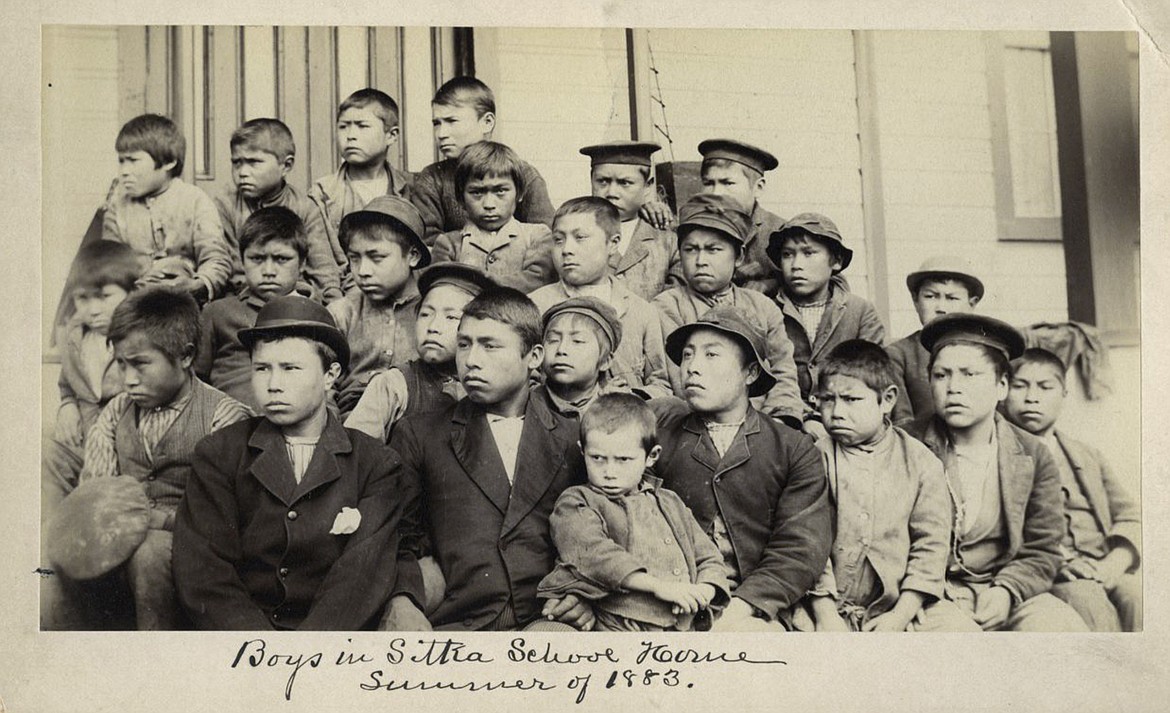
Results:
424 389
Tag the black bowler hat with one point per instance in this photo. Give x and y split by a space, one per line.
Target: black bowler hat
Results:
967 328
296 316
735 324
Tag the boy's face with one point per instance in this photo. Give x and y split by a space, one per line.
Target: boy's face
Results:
734 182
709 260
258 173
438 322
964 385
149 376
853 413
615 462
938 297
271 269
807 266
715 378
572 353
581 249
490 201
1035 398
289 381
458 126
95 305
139 176
362 137
380 267
491 360
620 184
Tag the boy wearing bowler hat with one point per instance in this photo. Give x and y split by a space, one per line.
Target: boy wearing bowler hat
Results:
384 244
942 285
819 310
1004 485
290 520
735 169
646 259
712 232
756 486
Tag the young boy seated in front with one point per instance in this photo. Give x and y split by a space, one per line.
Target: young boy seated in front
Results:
263 153
290 521
116 528
483 475
383 243
942 285
273 247
102 275
367 128
1100 575
464 112
627 544
579 338
756 486
647 257
1004 484
711 234
892 510
490 180
585 238
172 225
429 382
819 310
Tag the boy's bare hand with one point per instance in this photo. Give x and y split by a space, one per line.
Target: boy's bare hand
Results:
68 428
571 610
681 594
656 213
992 607
885 623
1079 568
831 623
1115 564
704 593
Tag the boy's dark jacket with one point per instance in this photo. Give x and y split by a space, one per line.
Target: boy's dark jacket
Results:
491 542
1033 510
253 548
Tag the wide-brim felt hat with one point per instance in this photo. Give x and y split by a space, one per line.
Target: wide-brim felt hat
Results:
969 328
814 224
716 212
735 324
97 527
468 278
946 267
398 211
592 308
297 316
753 157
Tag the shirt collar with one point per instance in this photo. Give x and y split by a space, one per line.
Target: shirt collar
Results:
178 404
572 408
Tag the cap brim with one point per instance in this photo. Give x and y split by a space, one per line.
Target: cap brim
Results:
329 336
974 284
676 341
424 252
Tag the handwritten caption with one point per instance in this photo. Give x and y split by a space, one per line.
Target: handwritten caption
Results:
452 664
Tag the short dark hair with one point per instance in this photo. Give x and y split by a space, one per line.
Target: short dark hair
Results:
862 360
749 173
513 308
1040 357
168 318
466 91
275 223
267 135
619 412
603 212
105 262
373 226
156 135
384 105
326 352
997 358
487 158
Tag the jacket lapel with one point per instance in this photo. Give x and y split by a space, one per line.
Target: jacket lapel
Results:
1091 487
704 451
738 452
271 468
536 468
323 468
1016 475
475 449
829 320
620 297
638 248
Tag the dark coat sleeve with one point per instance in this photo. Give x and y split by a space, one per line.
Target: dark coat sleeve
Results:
412 537
536 207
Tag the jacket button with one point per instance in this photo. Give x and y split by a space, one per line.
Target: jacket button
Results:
468 623
276 616
668 541
491 259
292 514
153 503
283 571
676 571
152 476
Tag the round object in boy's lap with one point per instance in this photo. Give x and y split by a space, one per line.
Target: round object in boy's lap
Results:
98 527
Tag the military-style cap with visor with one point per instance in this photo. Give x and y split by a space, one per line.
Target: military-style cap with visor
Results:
753 157
967 328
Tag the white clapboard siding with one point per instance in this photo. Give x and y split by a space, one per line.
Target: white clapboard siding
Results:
559 90
939 189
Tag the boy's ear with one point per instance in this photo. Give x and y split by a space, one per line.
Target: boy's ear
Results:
974 301
332 374
740 256
753 371
392 135
888 399
287 164
489 122
413 257
758 188
169 166
604 365
535 357
188 356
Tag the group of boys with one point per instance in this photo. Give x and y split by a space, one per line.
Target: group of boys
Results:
432 401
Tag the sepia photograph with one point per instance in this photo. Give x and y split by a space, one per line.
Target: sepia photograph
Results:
679 357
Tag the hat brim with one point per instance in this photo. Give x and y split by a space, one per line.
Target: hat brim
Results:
424 252
915 279
454 273
964 328
702 221
676 341
279 329
98 526
776 241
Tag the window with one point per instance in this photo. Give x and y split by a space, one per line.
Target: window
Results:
1023 136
